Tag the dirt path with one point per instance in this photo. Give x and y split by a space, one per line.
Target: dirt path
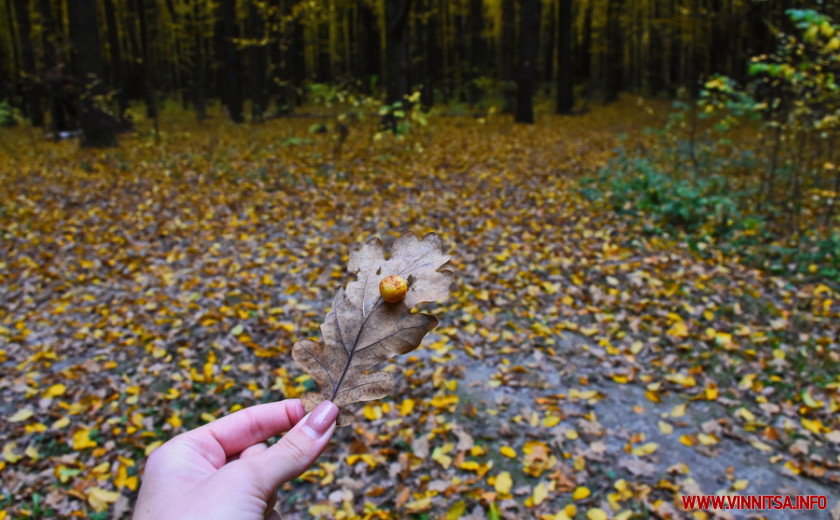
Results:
622 415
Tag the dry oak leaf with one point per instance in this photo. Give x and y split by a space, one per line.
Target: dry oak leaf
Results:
362 330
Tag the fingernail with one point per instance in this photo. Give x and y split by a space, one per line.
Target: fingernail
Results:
321 418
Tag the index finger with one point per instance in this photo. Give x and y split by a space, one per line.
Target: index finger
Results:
252 425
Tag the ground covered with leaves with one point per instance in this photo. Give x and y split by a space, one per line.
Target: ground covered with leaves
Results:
583 368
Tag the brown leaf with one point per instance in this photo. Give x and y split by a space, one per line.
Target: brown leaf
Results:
418 261
362 330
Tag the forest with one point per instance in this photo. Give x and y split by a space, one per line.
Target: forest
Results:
590 249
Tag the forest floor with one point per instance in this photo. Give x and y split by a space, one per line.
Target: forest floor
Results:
582 369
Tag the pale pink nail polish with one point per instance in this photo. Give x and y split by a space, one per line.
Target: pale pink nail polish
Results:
320 419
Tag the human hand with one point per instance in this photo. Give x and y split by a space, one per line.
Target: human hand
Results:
223 470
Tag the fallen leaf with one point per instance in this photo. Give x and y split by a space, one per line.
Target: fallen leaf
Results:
21 415
99 499
581 492
503 483
362 330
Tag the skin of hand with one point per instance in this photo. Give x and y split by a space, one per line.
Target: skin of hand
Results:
224 470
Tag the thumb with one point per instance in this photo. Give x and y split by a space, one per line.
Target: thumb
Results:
295 451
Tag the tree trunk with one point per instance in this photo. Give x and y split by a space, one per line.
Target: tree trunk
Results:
16 71
231 81
613 76
429 51
508 51
199 66
529 34
116 75
99 129
256 63
477 57
396 56
33 106
565 68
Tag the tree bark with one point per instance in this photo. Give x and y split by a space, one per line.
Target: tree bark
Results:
477 53
565 68
116 75
33 108
613 76
256 63
396 56
526 74
508 52
231 81
99 129
199 66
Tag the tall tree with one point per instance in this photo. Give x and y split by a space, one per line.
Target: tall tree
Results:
613 74
508 51
99 129
231 80
565 69
257 62
396 55
477 53
33 106
115 56
199 75
529 34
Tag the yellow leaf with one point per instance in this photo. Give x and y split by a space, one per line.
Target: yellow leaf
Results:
596 513
372 413
740 484
745 414
809 401
540 494
678 411
665 428
99 498
507 451
813 426
470 465
32 453
418 506
706 439
724 340
686 381
580 493
550 420
21 415
503 483
367 458
35 427
747 381
152 447
174 420
457 511
406 407
122 480
678 330
645 449
55 390
760 445
9 454
711 391
61 423
82 440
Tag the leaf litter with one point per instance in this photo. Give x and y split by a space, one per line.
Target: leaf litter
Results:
150 289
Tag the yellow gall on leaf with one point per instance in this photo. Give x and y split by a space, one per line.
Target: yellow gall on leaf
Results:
393 288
